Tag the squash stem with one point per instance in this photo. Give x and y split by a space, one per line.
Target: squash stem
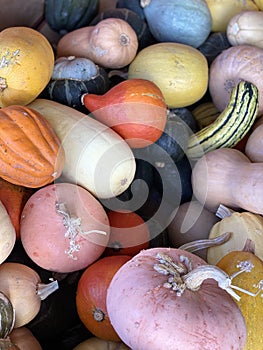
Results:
45 289
181 276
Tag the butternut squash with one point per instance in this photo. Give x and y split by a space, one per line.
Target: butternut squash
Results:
97 158
227 176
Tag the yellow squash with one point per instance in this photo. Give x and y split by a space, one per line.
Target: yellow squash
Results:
250 305
26 65
180 71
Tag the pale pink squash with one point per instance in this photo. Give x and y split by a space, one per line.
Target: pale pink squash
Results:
147 314
241 62
64 228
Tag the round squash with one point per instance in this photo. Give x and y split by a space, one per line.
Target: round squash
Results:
223 10
149 312
187 22
241 62
26 65
246 28
64 228
179 70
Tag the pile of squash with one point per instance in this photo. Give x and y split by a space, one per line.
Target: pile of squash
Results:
131 166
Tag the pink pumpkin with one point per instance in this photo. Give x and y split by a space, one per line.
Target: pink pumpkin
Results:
64 228
148 312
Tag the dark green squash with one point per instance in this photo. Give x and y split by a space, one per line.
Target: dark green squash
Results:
74 76
173 142
145 37
133 5
174 182
214 45
66 15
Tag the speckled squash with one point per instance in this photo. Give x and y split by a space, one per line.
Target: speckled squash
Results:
26 65
179 70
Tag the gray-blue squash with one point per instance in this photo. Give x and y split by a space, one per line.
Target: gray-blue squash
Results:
182 21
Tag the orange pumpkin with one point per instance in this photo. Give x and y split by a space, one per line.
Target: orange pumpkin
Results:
129 233
134 108
91 296
31 154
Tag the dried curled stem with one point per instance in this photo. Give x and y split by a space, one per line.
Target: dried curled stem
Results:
73 226
181 276
205 243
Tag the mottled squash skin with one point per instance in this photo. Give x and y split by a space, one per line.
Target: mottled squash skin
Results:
157 318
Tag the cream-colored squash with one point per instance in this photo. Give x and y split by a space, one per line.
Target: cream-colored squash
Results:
180 71
243 226
97 158
246 28
223 10
7 234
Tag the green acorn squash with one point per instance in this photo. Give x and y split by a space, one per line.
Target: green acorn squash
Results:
66 15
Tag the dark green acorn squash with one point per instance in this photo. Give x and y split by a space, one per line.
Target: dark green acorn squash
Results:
133 5
214 45
145 37
174 182
74 76
173 142
66 15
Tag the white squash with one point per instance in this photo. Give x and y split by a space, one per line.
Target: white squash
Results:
97 158
7 234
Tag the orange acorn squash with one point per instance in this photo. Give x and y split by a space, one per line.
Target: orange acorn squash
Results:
31 154
26 65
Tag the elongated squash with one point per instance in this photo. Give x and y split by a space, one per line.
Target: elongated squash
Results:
231 125
97 158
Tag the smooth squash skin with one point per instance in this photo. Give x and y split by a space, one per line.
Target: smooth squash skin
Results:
96 157
188 22
179 70
26 65
227 176
223 10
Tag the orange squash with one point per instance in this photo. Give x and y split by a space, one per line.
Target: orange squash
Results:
91 296
134 108
26 65
31 154
14 198
129 233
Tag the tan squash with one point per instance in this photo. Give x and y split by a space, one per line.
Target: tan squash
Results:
26 65
254 144
243 226
227 176
179 70
246 268
111 43
205 113
190 221
246 28
241 62
223 10
24 339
